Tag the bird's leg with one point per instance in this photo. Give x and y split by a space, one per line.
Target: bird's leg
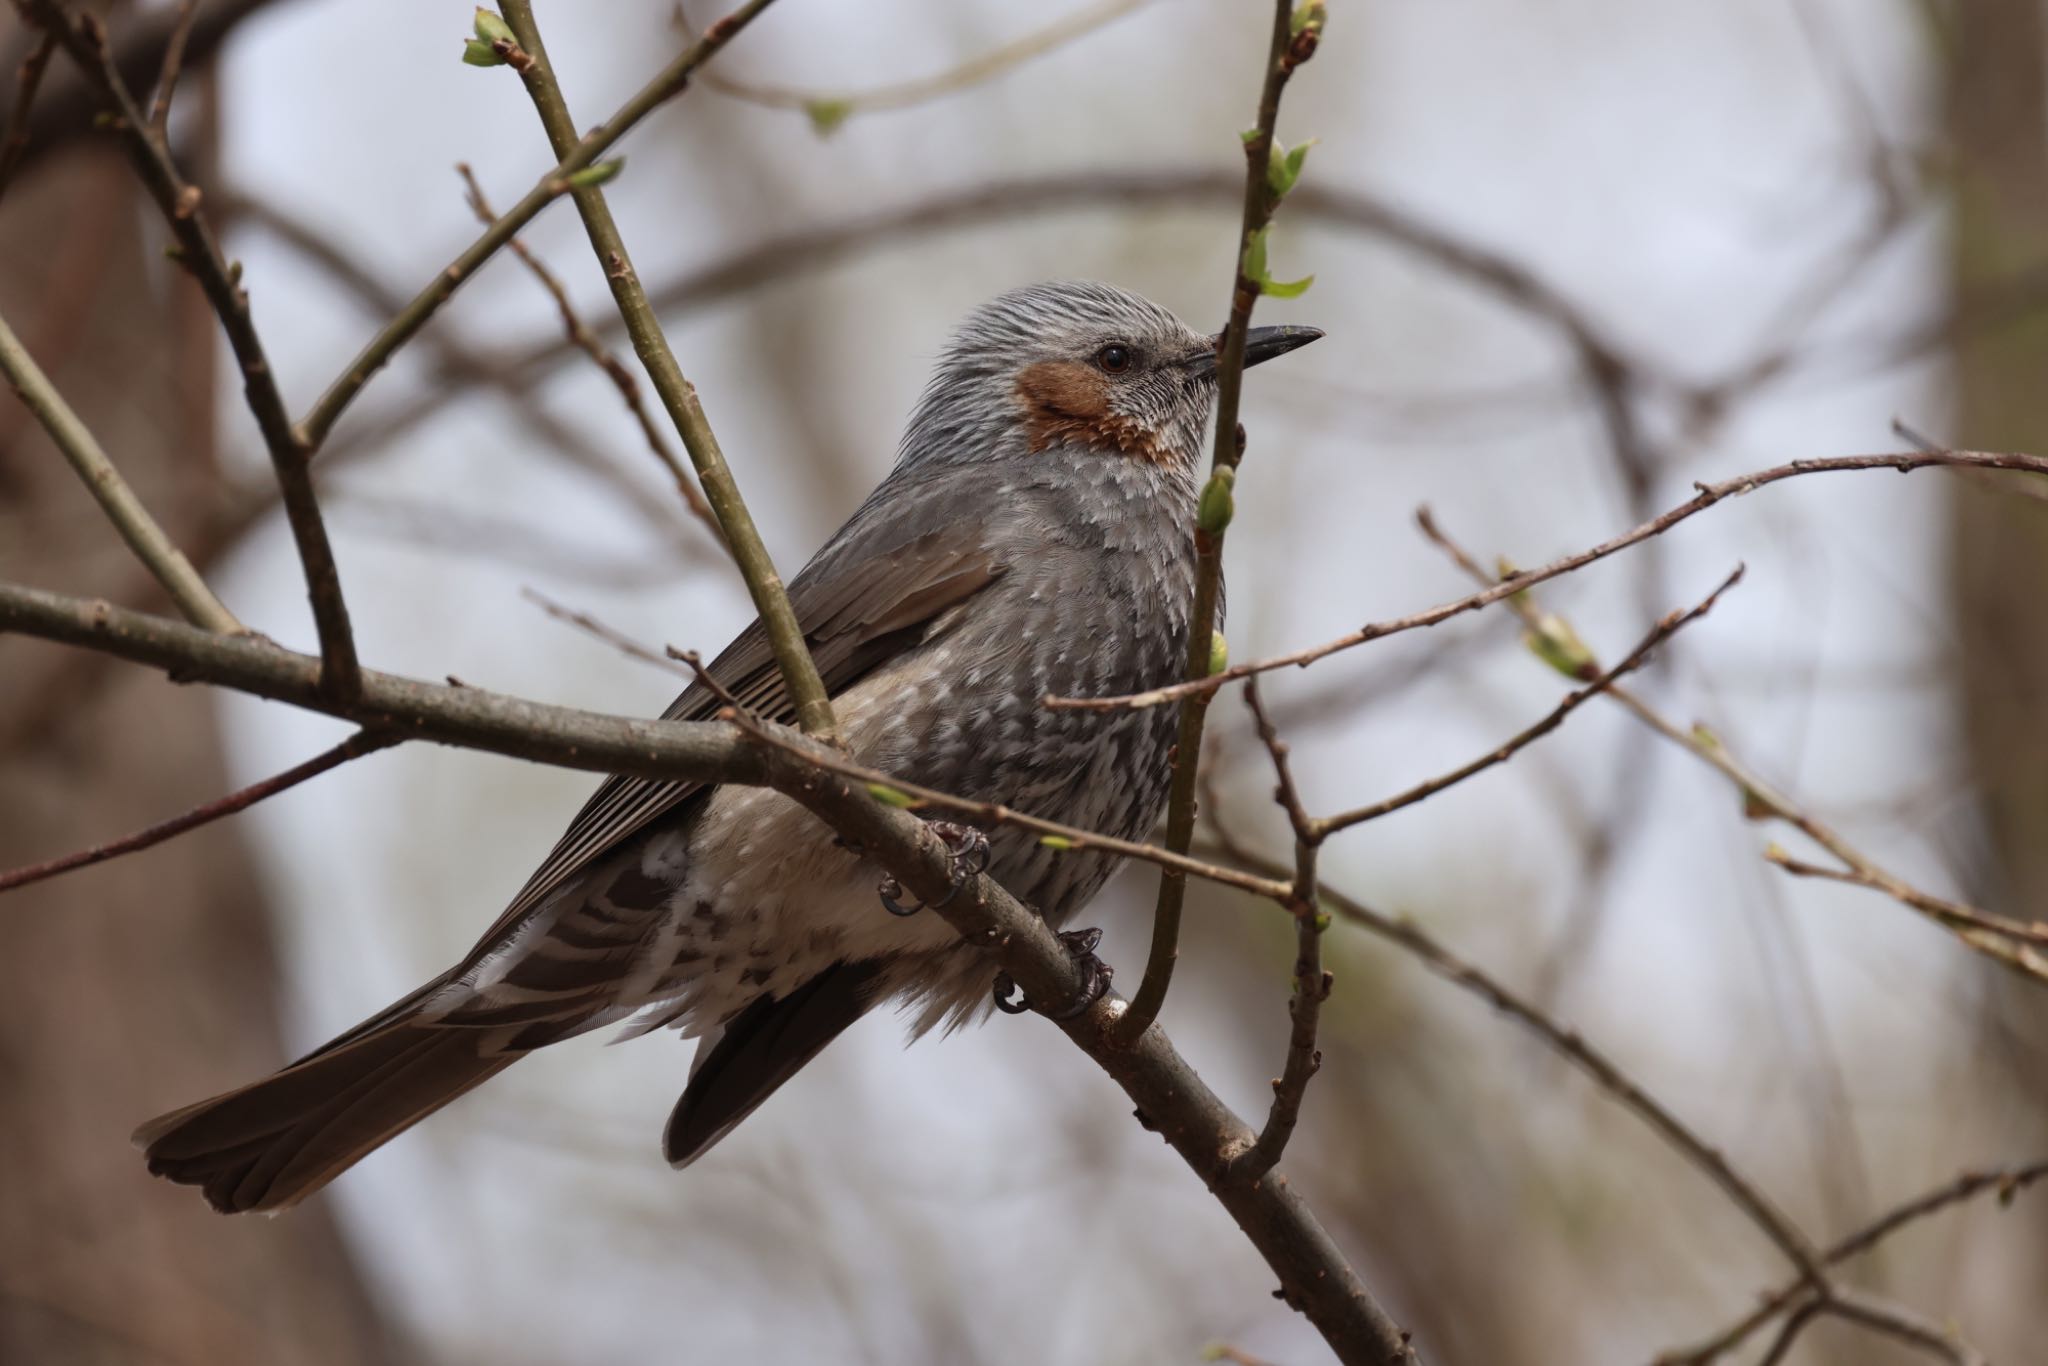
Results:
1095 978
969 848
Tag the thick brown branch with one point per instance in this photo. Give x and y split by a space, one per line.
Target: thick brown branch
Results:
1313 1274
357 745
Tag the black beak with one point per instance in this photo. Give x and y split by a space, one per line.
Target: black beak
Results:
1261 344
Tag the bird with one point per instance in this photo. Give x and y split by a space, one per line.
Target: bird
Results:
1034 536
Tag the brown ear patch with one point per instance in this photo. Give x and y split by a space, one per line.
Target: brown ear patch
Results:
1067 403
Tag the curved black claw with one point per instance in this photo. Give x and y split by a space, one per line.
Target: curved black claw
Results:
1095 978
1008 999
1095 974
889 889
969 848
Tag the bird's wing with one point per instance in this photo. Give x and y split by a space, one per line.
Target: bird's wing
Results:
864 600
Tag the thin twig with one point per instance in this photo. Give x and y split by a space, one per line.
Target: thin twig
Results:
1954 914
84 38
1259 202
615 369
27 79
2008 941
678 395
666 84
1708 496
173 64
151 544
1311 986
1663 631
611 636
457 365
2007 1182
1744 1194
829 110
361 743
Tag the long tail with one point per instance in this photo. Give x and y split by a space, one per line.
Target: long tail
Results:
274 1142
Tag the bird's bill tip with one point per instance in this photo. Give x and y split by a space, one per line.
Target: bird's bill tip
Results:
1262 344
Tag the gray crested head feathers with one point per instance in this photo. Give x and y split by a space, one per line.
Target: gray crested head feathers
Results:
1078 367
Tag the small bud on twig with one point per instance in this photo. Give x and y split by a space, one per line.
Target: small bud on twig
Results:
1218 505
590 177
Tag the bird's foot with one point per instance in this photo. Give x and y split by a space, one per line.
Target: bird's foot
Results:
969 848
1095 979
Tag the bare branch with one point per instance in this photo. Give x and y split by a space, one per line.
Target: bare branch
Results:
614 369
1708 496
2008 1183
2008 941
85 40
1743 1193
1311 983
678 395
827 111
151 544
1285 51
173 64
611 636
361 743
666 84
1663 631
28 78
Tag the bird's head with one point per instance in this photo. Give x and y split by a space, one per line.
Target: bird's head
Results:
1080 368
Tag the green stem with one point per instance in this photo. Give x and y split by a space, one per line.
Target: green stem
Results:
678 395
1194 709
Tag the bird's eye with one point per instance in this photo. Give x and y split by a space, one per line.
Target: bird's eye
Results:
1114 358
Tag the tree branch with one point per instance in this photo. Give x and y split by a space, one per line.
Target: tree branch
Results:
151 544
2008 1183
1741 1192
361 743
678 395
829 110
84 39
580 335
665 85
1311 983
1665 628
28 78
1708 496
1314 1276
